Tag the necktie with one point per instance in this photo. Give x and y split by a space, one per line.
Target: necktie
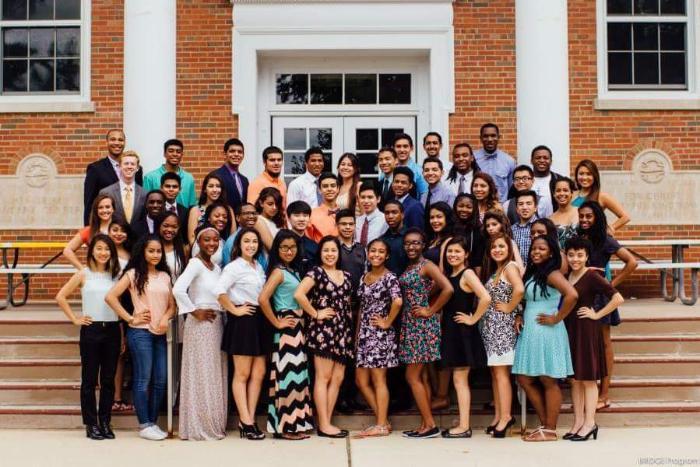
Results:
128 203
462 185
385 188
239 186
427 200
364 233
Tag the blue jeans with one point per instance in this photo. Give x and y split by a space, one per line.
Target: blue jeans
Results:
149 359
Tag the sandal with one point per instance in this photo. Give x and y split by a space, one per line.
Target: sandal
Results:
118 406
602 404
541 434
374 431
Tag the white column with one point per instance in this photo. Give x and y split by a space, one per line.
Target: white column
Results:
149 77
542 79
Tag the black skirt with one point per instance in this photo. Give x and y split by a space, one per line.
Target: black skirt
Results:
247 335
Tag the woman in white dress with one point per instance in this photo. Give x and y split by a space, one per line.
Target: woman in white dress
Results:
203 398
217 216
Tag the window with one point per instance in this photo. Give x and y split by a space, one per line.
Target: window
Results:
349 88
295 143
647 44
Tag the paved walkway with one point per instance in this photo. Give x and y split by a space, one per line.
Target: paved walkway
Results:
618 447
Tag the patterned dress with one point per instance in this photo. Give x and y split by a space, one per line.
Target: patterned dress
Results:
420 337
497 328
330 338
376 347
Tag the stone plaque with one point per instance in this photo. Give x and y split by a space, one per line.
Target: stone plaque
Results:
653 193
37 197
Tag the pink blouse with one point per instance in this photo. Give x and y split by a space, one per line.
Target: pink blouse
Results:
155 298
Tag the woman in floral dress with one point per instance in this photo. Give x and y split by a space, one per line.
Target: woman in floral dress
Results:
329 331
380 302
420 326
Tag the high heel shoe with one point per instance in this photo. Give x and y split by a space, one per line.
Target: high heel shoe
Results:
568 435
593 432
489 429
249 432
502 433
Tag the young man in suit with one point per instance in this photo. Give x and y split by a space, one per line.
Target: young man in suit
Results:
155 202
105 172
170 186
235 183
129 197
413 212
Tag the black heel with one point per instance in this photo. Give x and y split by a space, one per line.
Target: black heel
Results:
593 432
249 432
489 429
502 433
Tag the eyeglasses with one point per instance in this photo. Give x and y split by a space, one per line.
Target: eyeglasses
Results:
413 243
287 249
522 179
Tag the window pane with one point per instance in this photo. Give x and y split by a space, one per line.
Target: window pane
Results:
672 36
646 68
41 42
295 138
292 89
14 42
619 68
646 36
67 75
388 135
673 68
41 76
395 89
14 76
361 89
41 9
672 7
294 163
68 42
327 89
366 139
646 7
321 137
368 163
68 9
619 7
14 9
619 36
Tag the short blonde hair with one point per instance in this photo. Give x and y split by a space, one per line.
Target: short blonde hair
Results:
130 154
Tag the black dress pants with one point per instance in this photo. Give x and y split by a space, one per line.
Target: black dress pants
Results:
100 344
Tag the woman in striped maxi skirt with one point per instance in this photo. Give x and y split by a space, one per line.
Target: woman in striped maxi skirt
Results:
289 412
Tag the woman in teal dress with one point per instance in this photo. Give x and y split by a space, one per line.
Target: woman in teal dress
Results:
542 351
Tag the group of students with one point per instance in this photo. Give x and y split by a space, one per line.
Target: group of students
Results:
333 277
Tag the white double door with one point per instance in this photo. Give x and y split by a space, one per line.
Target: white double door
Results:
363 136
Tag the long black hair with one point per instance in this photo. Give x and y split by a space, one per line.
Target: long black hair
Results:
126 228
203 192
274 193
178 244
539 272
139 265
275 261
461 241
549 226
450 221
236 250
352 194
113 264
219 204
598 232
472 222
326 239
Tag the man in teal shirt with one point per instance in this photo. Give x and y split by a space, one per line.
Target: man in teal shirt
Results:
172 151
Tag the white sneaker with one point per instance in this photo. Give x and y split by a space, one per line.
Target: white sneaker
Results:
158 429
151 433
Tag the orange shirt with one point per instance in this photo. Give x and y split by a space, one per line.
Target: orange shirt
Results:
323 221
264 180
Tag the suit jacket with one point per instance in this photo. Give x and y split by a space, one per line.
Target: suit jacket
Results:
233 197
99 175
139 212
413 213
139 229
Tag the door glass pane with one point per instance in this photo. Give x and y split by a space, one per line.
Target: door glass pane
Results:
388 135
395 89
295 138
327 89
321 137
366 138
68 9
292 89
360 89
368 163
294 163
14 9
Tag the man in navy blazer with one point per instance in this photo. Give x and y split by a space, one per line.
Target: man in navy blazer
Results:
105 172
235 183
413 211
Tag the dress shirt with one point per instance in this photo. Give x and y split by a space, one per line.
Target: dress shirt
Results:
122 190
150 223
454 184
115 166
544 208
241 281
440 192
194 289
500 166
171 207
521 237
264 180
303 188
420 184
541 187
376 228
187 196
324 220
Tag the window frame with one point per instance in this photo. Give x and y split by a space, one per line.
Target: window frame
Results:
650 98
56 102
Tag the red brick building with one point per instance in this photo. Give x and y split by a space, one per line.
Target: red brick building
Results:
600 79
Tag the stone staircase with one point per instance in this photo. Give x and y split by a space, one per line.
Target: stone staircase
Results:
656 377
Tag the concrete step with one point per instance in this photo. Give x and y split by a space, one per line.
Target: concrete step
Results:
657 343
37 327
659 365
658 389
39 392
658 325
39 368
39 347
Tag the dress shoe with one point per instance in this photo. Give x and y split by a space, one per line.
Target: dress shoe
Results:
106 430
93 432
502 433
593 432
464 434
433 432
340 434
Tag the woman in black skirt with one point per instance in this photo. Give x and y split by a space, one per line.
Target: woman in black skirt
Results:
246 337
461 346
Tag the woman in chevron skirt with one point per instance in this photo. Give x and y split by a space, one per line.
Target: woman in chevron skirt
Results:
289 412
